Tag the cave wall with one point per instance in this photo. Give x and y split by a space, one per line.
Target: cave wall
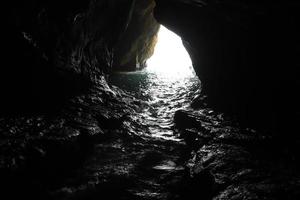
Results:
36 37
57 49
245 54
137 43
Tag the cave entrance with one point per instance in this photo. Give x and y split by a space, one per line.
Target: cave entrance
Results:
167 84
170 56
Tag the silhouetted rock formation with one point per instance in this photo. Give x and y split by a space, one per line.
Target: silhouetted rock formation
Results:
55 49
245 53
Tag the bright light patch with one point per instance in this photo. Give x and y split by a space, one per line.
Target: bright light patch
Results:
170 57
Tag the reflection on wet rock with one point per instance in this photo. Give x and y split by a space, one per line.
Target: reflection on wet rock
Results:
143 142
235 163
72 127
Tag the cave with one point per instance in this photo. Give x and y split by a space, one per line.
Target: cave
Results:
94 104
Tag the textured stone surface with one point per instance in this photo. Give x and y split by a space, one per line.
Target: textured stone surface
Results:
231 163
54 50
137 43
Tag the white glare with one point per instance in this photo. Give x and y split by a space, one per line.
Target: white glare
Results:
170 57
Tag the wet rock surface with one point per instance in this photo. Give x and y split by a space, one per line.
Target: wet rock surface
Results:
232 163
96 146
92 148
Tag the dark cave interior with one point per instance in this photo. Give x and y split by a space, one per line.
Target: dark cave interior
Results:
67 133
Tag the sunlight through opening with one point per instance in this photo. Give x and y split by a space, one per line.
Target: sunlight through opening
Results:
170 57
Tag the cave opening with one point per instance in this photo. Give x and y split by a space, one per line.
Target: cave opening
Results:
82 116
170 56
166 84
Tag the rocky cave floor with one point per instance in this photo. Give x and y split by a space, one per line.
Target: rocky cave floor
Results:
94 148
